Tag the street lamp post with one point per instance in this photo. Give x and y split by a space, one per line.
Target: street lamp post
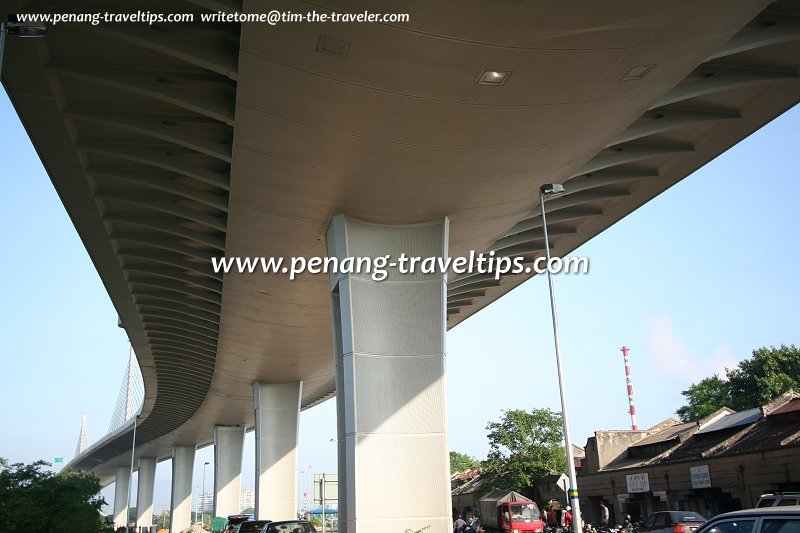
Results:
550 190
196 503
130 477
330 454
310 487
302 489
203 509
322 499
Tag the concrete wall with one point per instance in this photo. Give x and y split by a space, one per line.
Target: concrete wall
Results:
606 446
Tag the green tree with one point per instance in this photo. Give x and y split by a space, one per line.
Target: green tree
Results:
34 499
523 447
755 381
162 520
705 397
461 462
769 373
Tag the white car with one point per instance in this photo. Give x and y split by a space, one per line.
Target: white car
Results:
779 499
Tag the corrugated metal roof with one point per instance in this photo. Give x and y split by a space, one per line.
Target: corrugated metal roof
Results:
742 418
504 496
471 486
671 433
789 407
697 444
767 437
625 462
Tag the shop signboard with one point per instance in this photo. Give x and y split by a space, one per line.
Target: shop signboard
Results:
638 483
701 477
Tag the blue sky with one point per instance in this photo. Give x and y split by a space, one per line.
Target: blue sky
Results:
692 282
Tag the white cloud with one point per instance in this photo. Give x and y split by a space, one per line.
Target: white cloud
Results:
670 353
721 359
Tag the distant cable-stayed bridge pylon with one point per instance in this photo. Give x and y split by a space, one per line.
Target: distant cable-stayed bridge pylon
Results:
82 437
131 394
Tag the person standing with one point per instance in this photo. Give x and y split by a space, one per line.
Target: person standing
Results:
603 514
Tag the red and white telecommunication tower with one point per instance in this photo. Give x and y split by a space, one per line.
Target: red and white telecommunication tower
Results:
629 382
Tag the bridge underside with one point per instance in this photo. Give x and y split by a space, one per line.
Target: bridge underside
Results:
172 144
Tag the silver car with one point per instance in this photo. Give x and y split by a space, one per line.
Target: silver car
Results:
672 522
759 520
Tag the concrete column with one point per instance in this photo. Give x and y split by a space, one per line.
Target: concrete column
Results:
277 416
123 476
181 504
144 494
228 451
389 336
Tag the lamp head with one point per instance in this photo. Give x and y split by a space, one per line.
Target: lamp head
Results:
26 30
551 189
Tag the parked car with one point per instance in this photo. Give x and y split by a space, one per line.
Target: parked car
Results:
758 520
672 522
290 526
779 499
252 526
235 521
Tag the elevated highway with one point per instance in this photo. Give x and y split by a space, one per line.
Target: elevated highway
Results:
171 144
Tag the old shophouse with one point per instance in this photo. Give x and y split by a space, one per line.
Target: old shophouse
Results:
720 463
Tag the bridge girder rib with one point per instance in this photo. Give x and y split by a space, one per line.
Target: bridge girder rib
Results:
156 308
187 340
169 259
162 203
153 128
156 158
168 244
716 78
175 275
772 28
179 329
159 181
168 225
169 45
152 85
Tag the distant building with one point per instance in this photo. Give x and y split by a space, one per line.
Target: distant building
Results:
466 490
205 502
720 463
247 500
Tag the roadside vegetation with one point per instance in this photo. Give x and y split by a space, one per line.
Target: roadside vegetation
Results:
34 499
755 381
